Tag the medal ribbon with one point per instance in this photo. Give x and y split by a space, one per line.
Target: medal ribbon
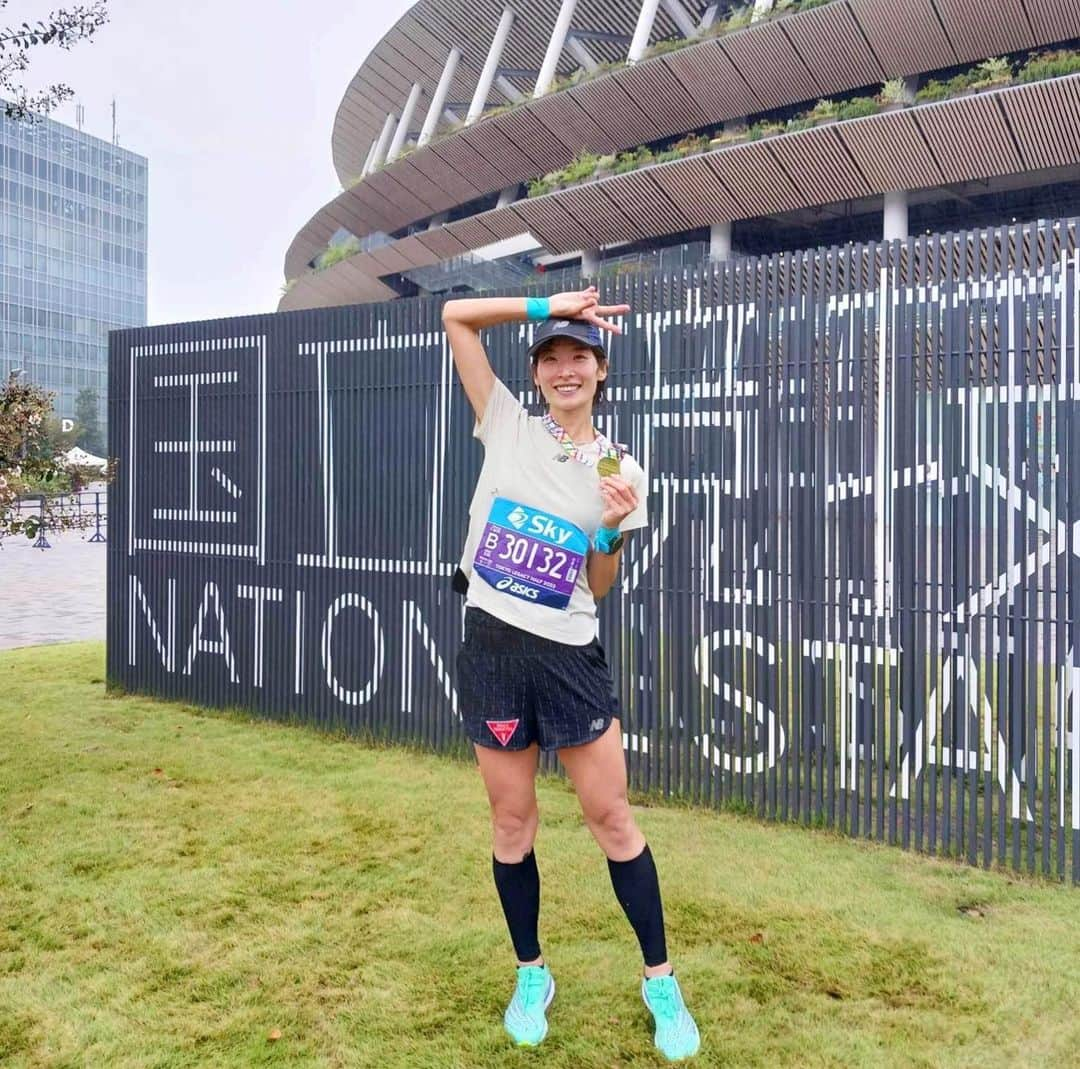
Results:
574 452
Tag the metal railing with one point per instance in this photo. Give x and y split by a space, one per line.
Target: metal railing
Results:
85 512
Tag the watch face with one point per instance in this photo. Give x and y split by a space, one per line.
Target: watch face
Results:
614 546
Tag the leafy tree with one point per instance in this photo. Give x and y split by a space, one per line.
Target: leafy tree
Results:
59 440
65 27
30 462
88 430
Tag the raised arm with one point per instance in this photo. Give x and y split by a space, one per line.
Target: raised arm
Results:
464 319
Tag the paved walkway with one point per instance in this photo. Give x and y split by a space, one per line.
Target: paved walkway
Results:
51 595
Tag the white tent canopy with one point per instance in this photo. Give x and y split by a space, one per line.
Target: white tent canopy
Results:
80 458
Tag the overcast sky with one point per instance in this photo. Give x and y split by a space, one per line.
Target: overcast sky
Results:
232 102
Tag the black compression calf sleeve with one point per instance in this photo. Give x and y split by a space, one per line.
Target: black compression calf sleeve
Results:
637 887
519 892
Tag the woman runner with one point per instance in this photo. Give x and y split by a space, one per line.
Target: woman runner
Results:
546 526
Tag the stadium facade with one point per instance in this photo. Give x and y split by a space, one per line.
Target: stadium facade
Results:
72 254
478 143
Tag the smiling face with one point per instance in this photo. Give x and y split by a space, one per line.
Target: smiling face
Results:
568 373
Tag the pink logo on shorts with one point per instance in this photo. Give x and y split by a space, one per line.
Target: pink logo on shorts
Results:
503 730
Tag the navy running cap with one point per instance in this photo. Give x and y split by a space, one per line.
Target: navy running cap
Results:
578 330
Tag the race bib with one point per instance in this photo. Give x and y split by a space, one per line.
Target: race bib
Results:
530 555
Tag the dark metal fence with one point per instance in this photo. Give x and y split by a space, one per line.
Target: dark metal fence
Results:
83 512
856 603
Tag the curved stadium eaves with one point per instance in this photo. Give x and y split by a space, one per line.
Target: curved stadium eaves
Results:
1017 130
838 47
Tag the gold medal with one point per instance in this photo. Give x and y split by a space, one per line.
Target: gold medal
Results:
608 466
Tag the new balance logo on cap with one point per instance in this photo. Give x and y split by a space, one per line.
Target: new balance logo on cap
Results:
575 329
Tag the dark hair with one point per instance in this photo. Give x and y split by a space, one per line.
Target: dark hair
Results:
601 361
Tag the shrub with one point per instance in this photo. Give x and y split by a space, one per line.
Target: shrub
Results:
538 187
689 145
739 19
1053 64
728 137
994 71
567 81
894 91
336 253
800 122
631 161
858 108
933 90
672 44
823 110
806 5
580 168
961 83
764 129
502 109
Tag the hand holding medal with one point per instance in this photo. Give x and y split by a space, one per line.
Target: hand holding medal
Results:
619 498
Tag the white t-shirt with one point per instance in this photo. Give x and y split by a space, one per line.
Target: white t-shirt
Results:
532 520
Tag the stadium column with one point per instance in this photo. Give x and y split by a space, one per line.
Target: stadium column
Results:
438 98
761 9
580 53
370 156
681 17
402 130
895 206
554 48
590 263
896 215
642 30
508 89
720 242
383 143
491 65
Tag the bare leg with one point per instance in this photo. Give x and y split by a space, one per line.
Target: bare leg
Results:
510 779
598 772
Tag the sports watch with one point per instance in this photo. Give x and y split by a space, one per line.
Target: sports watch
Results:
608 540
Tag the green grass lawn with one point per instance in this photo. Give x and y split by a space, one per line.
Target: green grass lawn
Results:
177 884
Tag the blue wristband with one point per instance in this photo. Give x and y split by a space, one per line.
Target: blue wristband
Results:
537 307
605 536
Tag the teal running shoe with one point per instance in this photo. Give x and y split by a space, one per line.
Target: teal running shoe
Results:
676 1033
525 1018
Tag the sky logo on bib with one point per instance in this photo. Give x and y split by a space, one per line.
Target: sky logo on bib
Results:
519 517
549 529
503 730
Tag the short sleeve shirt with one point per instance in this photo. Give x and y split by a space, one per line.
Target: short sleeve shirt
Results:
532 520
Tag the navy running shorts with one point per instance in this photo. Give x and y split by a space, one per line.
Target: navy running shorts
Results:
517 688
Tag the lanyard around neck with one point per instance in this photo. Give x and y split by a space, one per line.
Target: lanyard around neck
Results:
572 451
